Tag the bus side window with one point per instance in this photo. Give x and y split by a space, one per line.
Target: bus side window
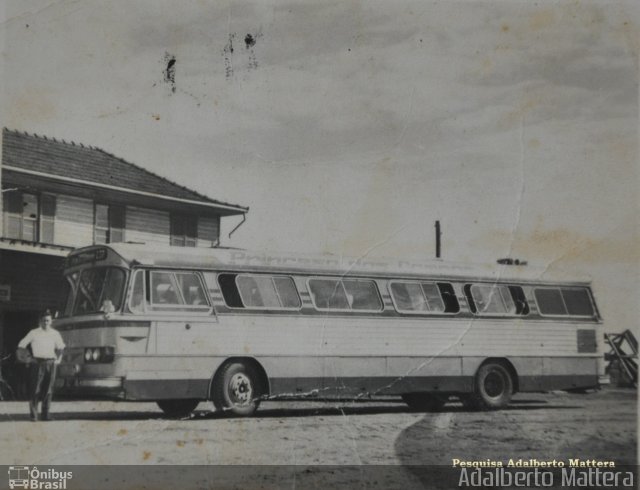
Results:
261 291
253 291
408 296
287 292
191 288
328 294
564 301
434 299
470 300
578 301
163 289
493 299
522 307
362 295
550 301
229 290
451 304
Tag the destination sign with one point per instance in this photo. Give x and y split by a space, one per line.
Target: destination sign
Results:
87 256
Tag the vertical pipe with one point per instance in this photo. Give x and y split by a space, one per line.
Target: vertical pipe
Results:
438 233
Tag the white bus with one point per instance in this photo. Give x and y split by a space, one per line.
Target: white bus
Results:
179 326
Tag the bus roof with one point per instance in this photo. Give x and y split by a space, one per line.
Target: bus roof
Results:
245 260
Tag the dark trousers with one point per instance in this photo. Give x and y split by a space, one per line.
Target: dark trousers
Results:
42 378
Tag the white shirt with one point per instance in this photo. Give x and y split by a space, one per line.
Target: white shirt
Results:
43 343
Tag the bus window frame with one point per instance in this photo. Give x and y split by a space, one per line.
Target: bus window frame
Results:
71 295
593 316
132 281
149 308
421 312
340 279
493 314
527 306
261 308
204 289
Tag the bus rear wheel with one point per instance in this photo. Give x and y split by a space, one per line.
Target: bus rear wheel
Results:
236 389
493 388
178 408
424 402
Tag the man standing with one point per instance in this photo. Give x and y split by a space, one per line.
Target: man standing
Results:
47 346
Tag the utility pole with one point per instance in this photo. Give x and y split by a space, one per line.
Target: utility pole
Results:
438 233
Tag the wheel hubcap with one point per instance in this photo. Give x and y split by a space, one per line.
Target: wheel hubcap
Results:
494 385
240 389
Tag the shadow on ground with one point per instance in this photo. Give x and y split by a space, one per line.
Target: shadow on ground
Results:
560 426
66 413
331 409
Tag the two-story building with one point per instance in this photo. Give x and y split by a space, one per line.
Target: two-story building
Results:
59 195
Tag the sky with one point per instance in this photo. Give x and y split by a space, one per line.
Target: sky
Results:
349 127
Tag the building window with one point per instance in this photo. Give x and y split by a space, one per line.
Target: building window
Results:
184 230
28 216
108 223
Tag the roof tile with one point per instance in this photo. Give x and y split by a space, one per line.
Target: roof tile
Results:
50 156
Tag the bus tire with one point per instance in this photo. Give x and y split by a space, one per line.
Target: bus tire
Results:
236 389
493 388
178 408
425 402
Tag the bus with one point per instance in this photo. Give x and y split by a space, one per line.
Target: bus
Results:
180 326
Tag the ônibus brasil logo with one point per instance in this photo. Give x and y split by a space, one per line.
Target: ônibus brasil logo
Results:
30 477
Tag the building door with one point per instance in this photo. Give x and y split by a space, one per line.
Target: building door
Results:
15 325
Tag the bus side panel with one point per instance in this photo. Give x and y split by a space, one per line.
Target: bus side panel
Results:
294 375
433 373
163 385
346 376
528 369
569 372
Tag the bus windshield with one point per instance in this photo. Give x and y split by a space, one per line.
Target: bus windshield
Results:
95 290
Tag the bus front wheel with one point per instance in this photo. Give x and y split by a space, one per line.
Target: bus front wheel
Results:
236 389
424 402
178 408
493 388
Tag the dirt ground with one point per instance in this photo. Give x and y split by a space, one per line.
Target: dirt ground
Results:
600 425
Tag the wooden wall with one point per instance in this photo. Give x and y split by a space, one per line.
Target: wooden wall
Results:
208 231
147 226
74 224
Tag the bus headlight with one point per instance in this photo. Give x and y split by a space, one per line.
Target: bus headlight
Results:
99 354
